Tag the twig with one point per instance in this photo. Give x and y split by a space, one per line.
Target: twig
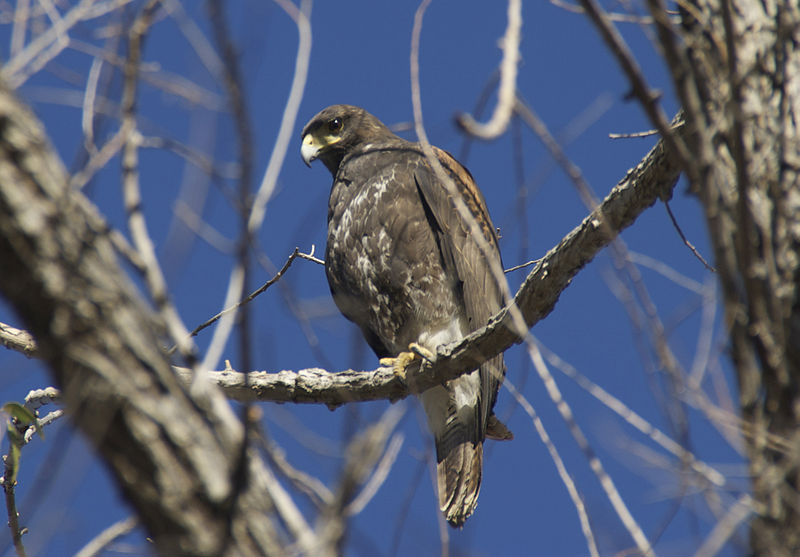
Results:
310 257
37 398
613 16
154 74
646 133
98 159
685 241
295 254
9 481
137 225
89 98
18 340
490 255
20 29
522 265
477 110
639 87
301 17
288 512
42 422
705 337
563 473
666 271
506 94
402 509
378 477
225 170
201 229
13 516
108 536
300 311
267 187
233 83
613 495
362 454
614 404
726 526
12 71
532 120
638 292
317 492
195 37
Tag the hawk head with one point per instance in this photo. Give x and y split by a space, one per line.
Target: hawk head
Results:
336 130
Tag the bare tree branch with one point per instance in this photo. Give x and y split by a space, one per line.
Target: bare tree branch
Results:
363 454
563 473
9 482
131 137
507 93
18 340
108 536
260 290
650 180
169 450
648 98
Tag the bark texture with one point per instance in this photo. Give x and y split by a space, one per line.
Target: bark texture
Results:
172 451
739 82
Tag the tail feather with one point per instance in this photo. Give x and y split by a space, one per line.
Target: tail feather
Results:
459 478
455 421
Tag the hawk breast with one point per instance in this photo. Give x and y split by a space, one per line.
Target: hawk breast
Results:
384 267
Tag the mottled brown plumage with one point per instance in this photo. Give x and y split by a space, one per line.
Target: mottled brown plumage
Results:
403 265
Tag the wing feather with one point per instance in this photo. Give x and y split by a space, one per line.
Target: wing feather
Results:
462 256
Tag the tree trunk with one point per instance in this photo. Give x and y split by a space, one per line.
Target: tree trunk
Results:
739 83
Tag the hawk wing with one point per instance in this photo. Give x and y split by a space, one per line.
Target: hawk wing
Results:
459 441
463 256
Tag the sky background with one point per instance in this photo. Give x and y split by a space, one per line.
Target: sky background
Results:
360 55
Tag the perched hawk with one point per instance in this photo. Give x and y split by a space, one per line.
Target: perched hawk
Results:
403 265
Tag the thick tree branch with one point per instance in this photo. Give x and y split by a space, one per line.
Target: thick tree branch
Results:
653 178
169 449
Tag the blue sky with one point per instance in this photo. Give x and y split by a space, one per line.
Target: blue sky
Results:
360 55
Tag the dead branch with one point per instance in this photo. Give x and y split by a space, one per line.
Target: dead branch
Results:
108 536
169 450
507 92
651 179
18 340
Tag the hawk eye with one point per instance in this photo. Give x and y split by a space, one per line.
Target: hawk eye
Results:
335 125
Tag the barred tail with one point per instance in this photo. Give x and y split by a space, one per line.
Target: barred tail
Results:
459 479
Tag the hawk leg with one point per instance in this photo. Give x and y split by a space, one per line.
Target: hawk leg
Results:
403 360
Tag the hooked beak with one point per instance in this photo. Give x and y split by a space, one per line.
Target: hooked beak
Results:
310 149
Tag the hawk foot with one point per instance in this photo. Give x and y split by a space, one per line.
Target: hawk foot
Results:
403 360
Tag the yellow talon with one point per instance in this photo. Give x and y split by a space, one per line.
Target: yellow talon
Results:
403 360
422 352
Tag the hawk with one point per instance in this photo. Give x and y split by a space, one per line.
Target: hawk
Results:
404 266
